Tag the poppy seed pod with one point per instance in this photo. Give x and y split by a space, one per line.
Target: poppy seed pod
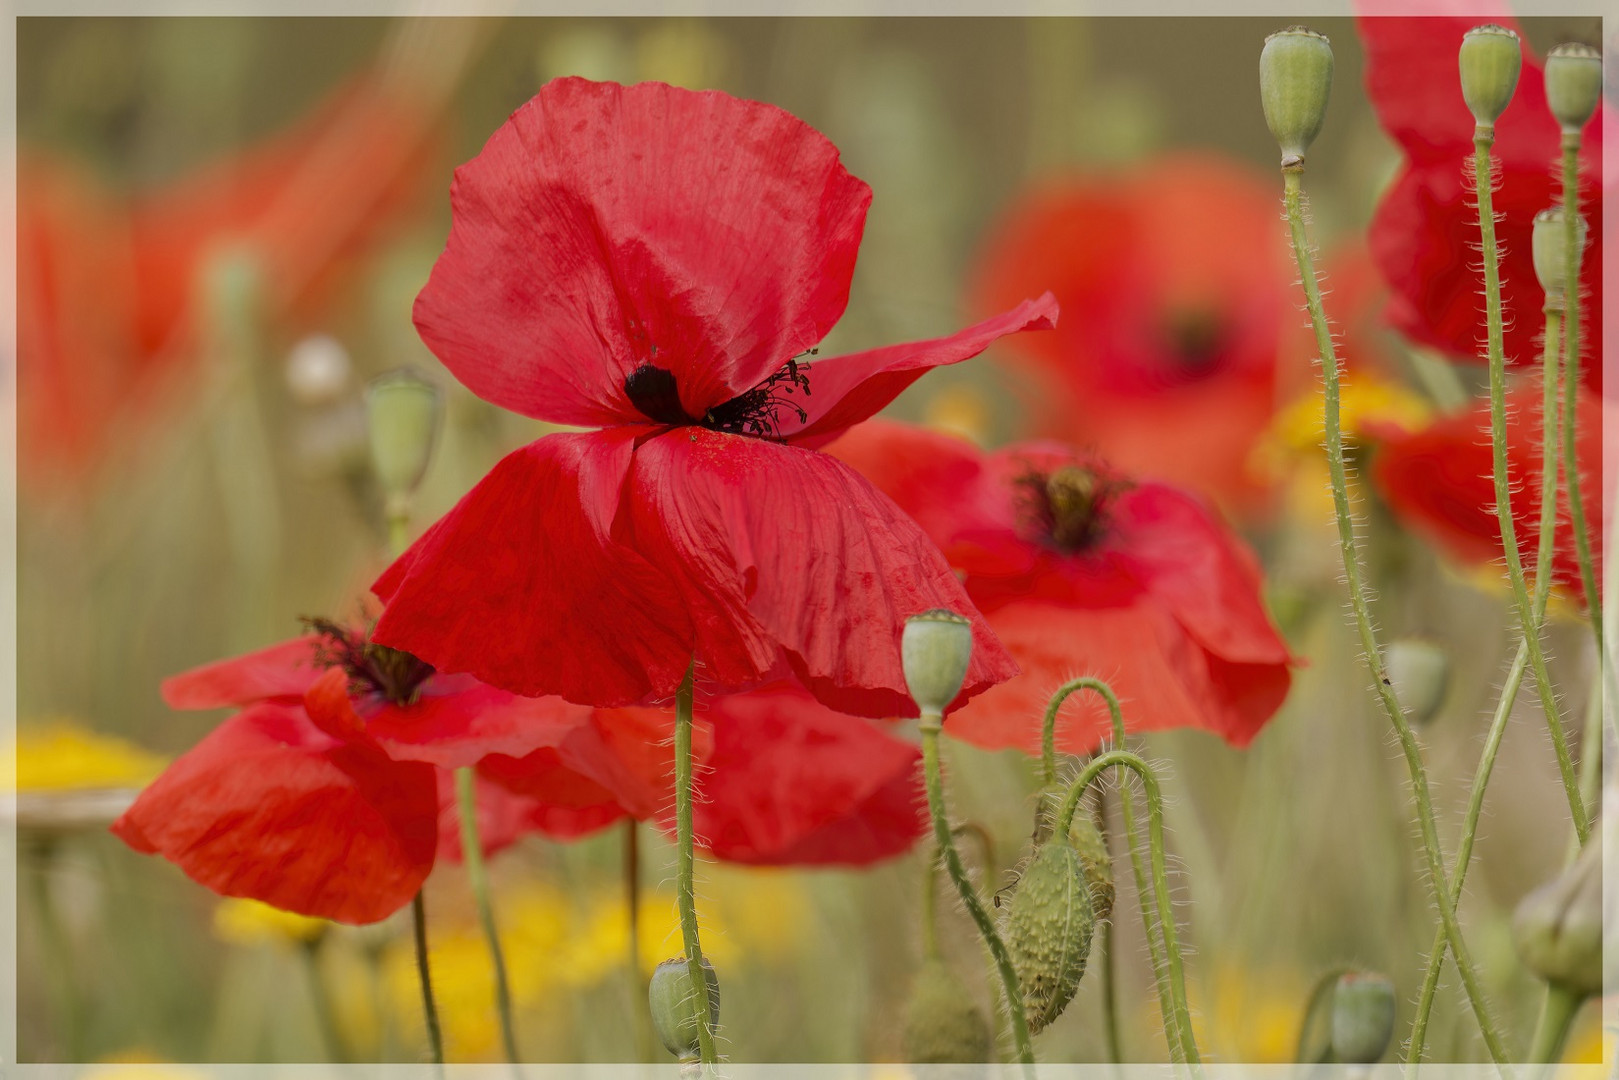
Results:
1489 62
1558 927
1295 80
1048 930
403 411
1573 84
1362 1017
671 996
942 1025
1551 251
1420 672
935 649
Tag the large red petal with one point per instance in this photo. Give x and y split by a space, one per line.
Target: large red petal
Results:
285 670
269 807
462 725
788 559
604 227
522 586
913 466
848 389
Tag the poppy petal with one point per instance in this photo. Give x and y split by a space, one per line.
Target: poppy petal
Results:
269 807
521 585
787 559
518 797
285 671
463 725
605 227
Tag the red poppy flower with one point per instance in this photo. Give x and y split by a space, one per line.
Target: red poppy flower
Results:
1080 571
1426 225
1439 483
655 263
1175 303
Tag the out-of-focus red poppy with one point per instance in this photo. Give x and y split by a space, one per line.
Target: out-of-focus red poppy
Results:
110 285
1439 481
1081 571
1425 232
1174 288
655 263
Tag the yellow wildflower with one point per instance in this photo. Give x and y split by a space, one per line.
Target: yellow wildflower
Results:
252 922
958 409
1245 1015
62 756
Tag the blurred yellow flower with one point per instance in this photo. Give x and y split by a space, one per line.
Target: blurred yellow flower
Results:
958 409
252 922
1247 1015
137 1067
62 756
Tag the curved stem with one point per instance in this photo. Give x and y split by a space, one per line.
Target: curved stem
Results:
1573 256
930 726
1370 652
466 799
1483 139
1181 1019
685 869
1556 1018
435 1034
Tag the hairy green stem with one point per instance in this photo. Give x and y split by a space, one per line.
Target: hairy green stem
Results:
435 1034
685 869
1573 256
1483 139
466 798
1370 652
930 727
1181 1017
1109 963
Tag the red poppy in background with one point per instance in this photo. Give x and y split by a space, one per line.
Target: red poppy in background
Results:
1081 571
1176 294
1425 231
1439 482
109 285
656 263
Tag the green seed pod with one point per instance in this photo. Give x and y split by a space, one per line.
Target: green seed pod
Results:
1362 1017
1550 250
935 649
673 1001
1420 672
1558 927
1048 930
1295 80
1573 84
942 1025
1489 62
404 412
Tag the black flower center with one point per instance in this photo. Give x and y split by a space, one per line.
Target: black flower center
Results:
1067 507
1196 341
372 669
654 392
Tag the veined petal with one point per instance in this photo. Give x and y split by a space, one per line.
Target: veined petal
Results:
269 807
604 227
522 586
282 671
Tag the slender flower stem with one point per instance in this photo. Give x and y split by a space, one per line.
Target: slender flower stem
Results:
1181 1020
1483 139
1370 651
685 869
1551 375
644 1037
1573 255
1556 1018
1109 962
930 727
930 888
466 799
435 1034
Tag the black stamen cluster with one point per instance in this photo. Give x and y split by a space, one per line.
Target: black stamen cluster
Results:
372 669
654 392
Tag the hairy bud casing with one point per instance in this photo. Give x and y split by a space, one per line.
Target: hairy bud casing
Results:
942 1025
1048 930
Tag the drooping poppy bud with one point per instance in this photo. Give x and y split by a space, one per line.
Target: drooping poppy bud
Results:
1558 926
672 999
1550 250
942 1025
935 648
1420 672
1295 79
1048 930
404 412
1573 84
1092 847
1489 61
1362 1017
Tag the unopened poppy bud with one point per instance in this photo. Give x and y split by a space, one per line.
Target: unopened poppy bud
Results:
1092 847
404 411
1295 79
1573 84
1558 927
1551 251
935 648
1362 1017
1489 62
1048 930
1420 672
942 1025
673 1001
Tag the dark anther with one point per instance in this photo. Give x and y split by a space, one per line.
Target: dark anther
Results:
372 669
1196 339
1067 507
754 412
653 391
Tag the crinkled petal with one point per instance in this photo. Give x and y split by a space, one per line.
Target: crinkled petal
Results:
787 559
269 807
283 671
604 227
521 585
845 390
